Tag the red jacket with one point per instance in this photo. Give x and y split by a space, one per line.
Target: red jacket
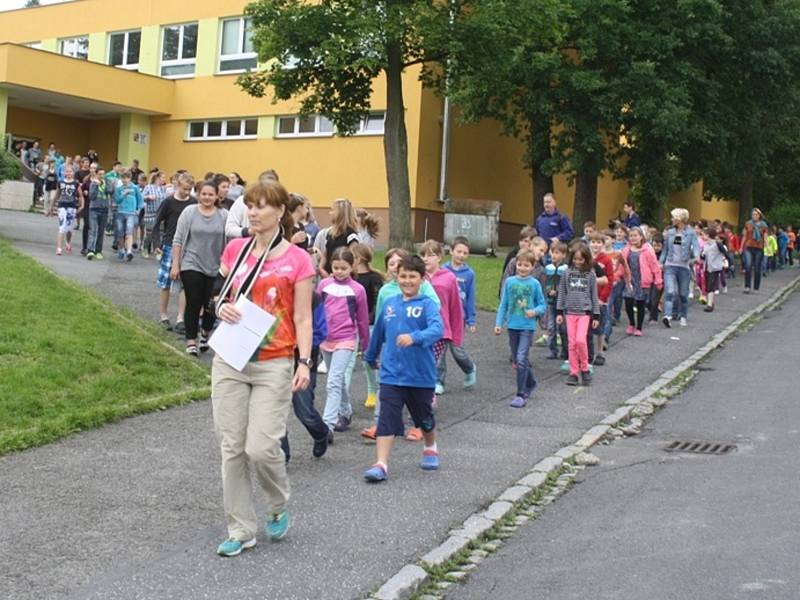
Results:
648 266
604 291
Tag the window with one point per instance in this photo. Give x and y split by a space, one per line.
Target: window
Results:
236 50
314 125
228 129
319 126
178 50
75 47
123 49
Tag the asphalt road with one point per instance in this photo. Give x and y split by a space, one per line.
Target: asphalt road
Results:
651 524
133 509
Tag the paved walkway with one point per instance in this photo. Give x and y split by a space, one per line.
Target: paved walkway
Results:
133 510
652 524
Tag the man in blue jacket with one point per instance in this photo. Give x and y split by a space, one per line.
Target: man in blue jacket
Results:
401 346
552 225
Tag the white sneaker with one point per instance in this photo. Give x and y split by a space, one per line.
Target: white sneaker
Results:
725 290
683 322
322 367
691 295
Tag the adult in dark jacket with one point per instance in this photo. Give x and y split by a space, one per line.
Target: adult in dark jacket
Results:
552 225
631 218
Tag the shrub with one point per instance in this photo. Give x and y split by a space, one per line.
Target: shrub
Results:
9 167
785 214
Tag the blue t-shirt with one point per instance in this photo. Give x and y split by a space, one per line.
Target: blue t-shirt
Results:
412 366
520 294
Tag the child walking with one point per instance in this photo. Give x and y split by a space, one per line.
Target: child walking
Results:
605 284
578 306
521 303
347 317
68 200
714 256
465 278
392 260
446 286
553 273
372 282
402 346
643 273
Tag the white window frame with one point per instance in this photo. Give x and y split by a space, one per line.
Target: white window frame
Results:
362 128
361 131
296 133
238 56
178 62
34 45
224 131
127 33
75 38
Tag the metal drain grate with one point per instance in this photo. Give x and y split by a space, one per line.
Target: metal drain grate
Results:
700 447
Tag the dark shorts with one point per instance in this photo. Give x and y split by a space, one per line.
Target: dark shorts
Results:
393 398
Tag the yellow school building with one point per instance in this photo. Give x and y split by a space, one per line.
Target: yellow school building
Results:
155 81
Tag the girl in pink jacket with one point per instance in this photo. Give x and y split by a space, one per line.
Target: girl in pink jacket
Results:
347 316
643 271
446 287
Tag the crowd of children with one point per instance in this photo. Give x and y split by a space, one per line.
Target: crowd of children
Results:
402 324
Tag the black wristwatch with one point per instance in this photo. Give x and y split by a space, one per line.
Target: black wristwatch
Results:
306 361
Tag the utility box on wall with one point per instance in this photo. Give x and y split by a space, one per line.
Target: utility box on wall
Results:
476 220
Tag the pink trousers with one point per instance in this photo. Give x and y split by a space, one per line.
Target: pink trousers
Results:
577 330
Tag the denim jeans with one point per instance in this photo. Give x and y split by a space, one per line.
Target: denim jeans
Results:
461 357
615 300
304 410
753 259
337 401
555 331
520 342
97 224
676 283
124 224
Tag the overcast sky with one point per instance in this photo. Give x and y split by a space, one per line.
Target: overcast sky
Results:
12 4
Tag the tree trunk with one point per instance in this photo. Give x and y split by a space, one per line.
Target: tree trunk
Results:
745 200
395 149
585 208
539 154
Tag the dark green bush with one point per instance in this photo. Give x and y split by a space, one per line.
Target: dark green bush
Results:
9 167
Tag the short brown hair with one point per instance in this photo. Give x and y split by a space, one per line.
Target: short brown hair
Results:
526 256
527 232
460 240
589 224
431 247
559 247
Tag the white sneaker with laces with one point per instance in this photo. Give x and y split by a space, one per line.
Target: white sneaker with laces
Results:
683 322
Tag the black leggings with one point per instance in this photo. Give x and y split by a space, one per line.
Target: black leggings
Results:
198 288
640 306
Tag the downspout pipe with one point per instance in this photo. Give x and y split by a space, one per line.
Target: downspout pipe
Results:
445 158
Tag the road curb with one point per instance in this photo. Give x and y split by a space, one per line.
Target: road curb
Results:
641 406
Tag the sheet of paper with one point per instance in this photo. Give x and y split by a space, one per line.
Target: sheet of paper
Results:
236 344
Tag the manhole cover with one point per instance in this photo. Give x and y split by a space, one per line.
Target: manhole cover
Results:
700 447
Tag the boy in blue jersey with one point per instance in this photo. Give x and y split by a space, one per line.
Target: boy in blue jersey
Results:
465 276
521 303
401 346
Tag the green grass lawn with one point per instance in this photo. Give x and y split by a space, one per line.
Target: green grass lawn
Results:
487 277
69 360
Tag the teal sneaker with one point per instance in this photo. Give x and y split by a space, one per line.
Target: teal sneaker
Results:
278 525
565 367
233 547
471 378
